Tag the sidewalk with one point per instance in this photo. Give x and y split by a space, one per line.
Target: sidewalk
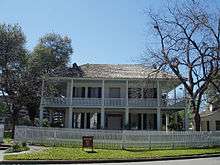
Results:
1 154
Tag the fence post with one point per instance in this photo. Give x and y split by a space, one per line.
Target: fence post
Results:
54 137
123 141
149 139
173 145
25 134
1 132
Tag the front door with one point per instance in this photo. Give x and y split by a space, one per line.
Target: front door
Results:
115 121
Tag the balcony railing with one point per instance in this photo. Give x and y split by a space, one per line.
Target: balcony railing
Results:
115 102
149 102
111 102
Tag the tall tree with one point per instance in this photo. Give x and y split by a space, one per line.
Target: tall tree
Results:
53 51
189 37
12 64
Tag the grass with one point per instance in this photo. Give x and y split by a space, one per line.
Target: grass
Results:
61 153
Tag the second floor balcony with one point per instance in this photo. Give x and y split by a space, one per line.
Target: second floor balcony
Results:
113 102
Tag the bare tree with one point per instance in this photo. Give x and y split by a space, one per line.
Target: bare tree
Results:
189 37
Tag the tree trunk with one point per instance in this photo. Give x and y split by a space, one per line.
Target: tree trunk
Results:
14 120
197 120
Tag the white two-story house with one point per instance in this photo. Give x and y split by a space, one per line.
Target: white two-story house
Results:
111 96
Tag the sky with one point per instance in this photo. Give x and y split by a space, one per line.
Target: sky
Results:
102 31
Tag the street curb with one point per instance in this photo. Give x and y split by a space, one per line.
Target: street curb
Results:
105 161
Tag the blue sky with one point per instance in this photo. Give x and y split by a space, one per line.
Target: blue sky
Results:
102 31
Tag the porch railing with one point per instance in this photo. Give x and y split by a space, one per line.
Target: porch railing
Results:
115 102
149 102
111 102
117 138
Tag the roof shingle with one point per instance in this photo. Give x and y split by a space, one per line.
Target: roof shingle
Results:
130 71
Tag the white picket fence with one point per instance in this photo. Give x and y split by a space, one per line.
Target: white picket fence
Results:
1 132
116 138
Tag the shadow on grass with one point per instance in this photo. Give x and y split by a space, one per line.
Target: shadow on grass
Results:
136 150
91 152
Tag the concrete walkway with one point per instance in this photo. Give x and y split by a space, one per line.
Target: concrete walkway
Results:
1 154
32 149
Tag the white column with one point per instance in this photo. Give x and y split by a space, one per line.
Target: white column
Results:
167 121
103 106
69 111
102 118
126 118
74 119
66 119
175 117
158 119
70 117
126 93
126 109
158 94
86 92
50 116
158 106
85 120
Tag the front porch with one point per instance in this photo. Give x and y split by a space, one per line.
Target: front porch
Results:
113 119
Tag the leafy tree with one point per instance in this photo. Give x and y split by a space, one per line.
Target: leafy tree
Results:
53 51
3 109
12 63
189 37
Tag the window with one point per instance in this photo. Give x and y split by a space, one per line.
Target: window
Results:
79 92
150 93
134 92
114 92
217 123
94 92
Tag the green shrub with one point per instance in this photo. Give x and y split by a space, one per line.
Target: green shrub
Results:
17 147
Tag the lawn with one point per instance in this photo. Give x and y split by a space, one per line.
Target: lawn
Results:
61 153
